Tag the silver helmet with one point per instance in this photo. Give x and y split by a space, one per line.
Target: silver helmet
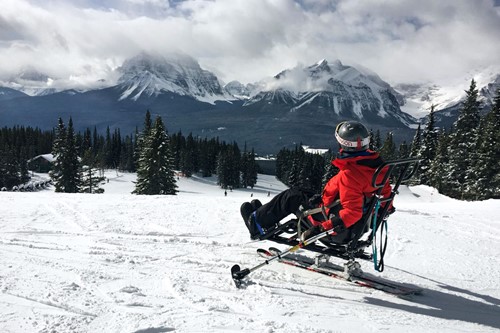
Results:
352 136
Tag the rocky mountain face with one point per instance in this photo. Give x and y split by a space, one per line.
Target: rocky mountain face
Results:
147 76
333 91
299 105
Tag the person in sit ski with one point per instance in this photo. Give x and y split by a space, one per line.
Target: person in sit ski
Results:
352 186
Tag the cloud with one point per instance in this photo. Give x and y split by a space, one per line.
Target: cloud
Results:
401 40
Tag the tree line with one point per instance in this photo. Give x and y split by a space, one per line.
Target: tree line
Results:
83 156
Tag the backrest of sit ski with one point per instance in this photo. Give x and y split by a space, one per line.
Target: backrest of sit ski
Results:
400 171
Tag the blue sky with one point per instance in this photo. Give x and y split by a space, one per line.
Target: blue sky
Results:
246 40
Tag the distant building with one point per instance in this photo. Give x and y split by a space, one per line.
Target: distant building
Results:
318 151
41 163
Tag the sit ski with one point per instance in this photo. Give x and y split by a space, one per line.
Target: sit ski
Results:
363 235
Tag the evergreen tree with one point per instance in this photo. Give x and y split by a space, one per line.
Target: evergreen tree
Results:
66 172
228 170
155 174
9 169
438 166
90 177
330 169
189 157
56 174
127 155
234 167
375 141
248 169
427 151
416 143
403 151
388 150
317 172
294 176
462 146
487 164
305 172
140 138
283 159
71 164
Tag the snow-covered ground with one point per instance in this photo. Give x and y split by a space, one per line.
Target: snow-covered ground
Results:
119 262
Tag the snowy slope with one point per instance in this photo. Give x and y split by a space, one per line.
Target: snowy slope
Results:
118 262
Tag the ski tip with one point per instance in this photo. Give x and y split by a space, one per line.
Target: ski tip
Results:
274 250
234 270
264 253
234 274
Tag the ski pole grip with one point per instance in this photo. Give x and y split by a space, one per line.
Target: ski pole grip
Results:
241 274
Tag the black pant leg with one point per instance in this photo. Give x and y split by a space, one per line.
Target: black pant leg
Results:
282 205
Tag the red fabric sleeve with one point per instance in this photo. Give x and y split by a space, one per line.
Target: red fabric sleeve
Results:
351 198
331 190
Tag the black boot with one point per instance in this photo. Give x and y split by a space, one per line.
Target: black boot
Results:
246 210
256 204
248 215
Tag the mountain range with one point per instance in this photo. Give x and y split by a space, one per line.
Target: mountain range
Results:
298 105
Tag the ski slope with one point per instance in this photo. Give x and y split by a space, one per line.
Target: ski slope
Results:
119 262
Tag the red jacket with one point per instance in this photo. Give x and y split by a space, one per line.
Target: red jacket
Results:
353 184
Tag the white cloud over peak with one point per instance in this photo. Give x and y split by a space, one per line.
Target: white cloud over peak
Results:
401 40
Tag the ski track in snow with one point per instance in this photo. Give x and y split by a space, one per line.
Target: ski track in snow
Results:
118 262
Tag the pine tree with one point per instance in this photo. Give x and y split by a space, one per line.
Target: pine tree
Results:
155 174
90 177
234 167
9 169
403 151
188 163
66 172
71 164
248 168
305 172
427 151
439 178
228 170
140 138
58 148
462 146
330 169
487 164
282 161
375 141
317 173
415 145
222 170
388 150
295 168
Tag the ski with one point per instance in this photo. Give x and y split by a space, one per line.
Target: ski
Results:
337 271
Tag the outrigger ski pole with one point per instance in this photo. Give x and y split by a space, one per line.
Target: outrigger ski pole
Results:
238 274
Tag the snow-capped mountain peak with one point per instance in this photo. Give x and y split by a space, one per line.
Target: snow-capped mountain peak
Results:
147 75
346 91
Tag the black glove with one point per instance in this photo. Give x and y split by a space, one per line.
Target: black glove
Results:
337 224
311 232
315 200
389 212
